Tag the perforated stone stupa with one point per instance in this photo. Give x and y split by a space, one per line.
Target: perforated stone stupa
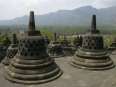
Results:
92 54
77 41
32 64
55 48
68 48
11 51
65 42
113 44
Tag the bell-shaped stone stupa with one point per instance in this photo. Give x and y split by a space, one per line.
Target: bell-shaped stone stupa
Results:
32 65
92 54
113 44
11 51
55 49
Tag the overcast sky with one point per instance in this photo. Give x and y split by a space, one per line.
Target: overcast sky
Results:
15 8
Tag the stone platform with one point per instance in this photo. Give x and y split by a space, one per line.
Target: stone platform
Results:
72 77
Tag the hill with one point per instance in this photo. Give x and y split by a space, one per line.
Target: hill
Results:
76 17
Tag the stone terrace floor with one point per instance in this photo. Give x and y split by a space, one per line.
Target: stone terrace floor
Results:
72 77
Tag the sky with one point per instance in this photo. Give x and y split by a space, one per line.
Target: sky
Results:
10 9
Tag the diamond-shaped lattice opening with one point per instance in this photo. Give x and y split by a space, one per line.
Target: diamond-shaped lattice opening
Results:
37 54
21 44
90 47
23 41
31 54
21 53
30 45
25 53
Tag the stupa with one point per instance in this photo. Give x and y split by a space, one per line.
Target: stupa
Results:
68 48
11 51
32 64
3 51
77 41
92 55
47 40
65 42
55 48
113 45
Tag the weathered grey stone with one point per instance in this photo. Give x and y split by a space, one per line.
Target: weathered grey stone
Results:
113 45
3 51
32 64
77 41
92 54
11 51
68 49
31 31
55 49
72 77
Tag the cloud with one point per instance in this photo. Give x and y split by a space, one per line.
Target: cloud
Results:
45 6
104 3
15 8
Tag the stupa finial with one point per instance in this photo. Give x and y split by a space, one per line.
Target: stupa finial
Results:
31 21
31 27
93 25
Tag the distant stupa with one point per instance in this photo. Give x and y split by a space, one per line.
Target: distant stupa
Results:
92 55
65 42
11 51
113 45
55 49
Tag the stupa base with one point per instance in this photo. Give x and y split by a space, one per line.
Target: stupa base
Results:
32 79
91 64
6 61
31 70
56 56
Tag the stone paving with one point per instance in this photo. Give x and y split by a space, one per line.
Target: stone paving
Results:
72 77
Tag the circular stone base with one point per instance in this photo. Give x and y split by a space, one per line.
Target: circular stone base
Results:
6 61
113 52
57 56
54 75
91 68
98 65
